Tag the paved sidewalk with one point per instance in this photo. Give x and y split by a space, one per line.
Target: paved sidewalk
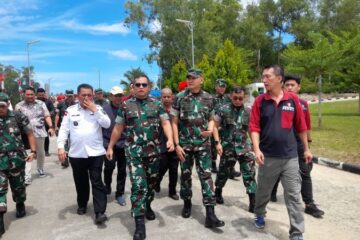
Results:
51 211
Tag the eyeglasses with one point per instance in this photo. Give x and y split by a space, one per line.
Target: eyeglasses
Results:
237 98
144 85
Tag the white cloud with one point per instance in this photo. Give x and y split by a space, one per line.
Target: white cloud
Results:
15 6
155 26
61 79
123 54
101 28
38 56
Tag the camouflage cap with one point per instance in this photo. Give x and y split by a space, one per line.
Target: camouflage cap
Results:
221 82
98 90
193 72
69 92
4 99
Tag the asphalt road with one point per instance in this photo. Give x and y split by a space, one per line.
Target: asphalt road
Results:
51 211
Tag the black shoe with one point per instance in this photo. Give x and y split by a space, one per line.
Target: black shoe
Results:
186 212
251 202
174 196
108 189
211 220
2 227
140 232
20 210
218 196
100 218
149 213
157 188
313 210
47 154
236 174
81 210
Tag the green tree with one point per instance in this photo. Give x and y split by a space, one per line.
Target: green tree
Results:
178 74
11 84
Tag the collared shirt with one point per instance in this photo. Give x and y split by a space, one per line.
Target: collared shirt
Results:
84 128
276 123
36 113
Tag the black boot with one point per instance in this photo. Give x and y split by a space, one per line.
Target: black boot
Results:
149 213
140 233
186 212
251 202
213 167
211 220
20 210
218 196
2 227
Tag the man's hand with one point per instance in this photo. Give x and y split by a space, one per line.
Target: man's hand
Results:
90 105
308 156
109 154
62 155
180 153
30 157
259 156
219 149
51 131
170 146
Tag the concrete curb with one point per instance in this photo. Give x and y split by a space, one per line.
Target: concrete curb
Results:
336 164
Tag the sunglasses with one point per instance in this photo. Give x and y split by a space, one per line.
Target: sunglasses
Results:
237 98
144 85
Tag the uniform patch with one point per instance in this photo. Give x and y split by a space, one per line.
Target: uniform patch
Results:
75 123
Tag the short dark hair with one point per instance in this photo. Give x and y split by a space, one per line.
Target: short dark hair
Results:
84 85
30 89
40 90
139 76
278 70
238 89
294 77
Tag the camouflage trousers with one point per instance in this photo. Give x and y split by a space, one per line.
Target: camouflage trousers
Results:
202 157
143 172
15 175
247 168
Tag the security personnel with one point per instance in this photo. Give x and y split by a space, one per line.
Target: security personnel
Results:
193 124
143 118
83 124
13 157
60 112
233 119
99 97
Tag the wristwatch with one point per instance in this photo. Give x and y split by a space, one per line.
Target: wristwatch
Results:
217 142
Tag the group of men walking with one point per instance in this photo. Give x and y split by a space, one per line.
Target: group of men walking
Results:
151 136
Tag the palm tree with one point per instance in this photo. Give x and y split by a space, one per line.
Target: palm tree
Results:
130 75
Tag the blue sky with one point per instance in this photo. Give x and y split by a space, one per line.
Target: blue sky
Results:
77 39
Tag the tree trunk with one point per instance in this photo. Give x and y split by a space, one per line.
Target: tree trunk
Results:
319 103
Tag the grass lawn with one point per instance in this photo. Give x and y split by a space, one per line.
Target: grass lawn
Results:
339 137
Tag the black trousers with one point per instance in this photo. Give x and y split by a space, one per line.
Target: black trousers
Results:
47 141
83 169
109 166
169 161
306 182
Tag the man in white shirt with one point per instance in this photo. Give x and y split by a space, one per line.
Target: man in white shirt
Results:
83 123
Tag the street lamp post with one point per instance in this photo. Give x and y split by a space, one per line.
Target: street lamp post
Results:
28 44
190 25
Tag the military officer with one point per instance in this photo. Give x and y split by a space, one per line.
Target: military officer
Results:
83 124
233 120
193 124
60 112
221 98
13 157
143 117
99 97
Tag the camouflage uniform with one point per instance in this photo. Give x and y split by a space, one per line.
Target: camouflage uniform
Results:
101 102
142 119
194 112
219 100
12 157
234 122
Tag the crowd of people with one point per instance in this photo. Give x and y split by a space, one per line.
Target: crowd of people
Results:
152 136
